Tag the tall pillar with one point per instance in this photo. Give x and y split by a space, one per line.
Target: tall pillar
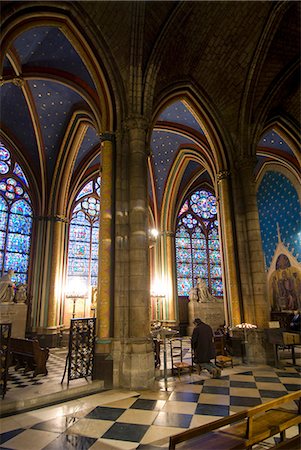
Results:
134 351
105 267
49 271
256 308
169 277
139 285
233 300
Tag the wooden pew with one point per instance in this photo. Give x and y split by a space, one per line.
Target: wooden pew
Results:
27 353
293 443
243 429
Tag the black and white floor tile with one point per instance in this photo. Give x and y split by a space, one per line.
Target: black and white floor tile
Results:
120 419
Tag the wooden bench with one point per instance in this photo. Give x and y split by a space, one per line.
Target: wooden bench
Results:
28 354
293 443
243 429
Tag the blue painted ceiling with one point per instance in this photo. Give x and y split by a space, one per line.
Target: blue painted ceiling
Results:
45 105
178 113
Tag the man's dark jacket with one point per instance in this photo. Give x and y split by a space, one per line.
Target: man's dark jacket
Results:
202 343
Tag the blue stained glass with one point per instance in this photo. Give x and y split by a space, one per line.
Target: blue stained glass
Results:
94 254
21 207
201 271
183 254
20 278
3 220
213 244
184 208
213 234
199 243
79 233
94 269
80 219
199 256
19 224
215 271
183 242
184 286
16 261
217 287
84 235
19 172
4 168
15 218
79 249
87 189
2 239
95 232
202 204
189 221
18 243
4 153
77 266
184 269
215 256
3 204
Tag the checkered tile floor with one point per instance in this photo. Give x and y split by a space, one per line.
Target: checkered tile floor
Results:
119 419
18 379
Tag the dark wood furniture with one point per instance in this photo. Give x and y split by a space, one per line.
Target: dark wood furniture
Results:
243 429
5 333
176 356
27 354
293 443
222 357
280 337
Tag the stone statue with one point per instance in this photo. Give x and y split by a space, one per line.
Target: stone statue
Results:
193 295
7 287
203 292
21 293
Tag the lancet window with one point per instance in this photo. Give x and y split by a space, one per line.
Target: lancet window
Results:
197 244
16 217
83 238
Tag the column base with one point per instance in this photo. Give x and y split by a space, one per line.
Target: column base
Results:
256 350
134 364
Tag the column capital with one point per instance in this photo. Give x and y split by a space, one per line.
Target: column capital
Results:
136 121
17 81
54 218
222 175
107 136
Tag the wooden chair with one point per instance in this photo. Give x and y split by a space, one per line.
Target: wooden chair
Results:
176 357
222 358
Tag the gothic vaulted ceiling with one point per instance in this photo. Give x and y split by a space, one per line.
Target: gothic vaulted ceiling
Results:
240 57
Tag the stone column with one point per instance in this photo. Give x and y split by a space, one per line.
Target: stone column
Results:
169 278
49 271
256 307
232 295
137 358
138 222
105 267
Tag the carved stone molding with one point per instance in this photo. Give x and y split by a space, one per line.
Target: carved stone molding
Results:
222 175
17 81
136 121
107 136
56 218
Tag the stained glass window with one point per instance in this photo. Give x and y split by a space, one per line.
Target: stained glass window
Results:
83 237
197 244
16 217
